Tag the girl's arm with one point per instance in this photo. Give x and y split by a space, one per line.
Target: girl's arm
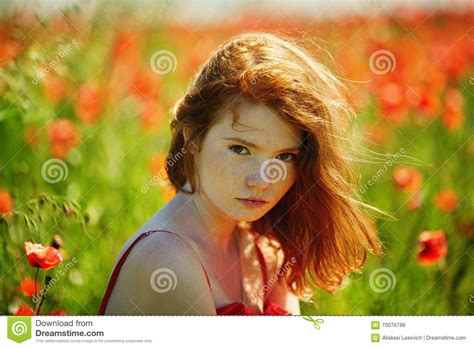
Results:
161 277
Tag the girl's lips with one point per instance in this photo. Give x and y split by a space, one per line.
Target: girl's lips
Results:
252 204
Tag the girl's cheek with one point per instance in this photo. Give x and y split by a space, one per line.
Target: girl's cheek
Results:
223 163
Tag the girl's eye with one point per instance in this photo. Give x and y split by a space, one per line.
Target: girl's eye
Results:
242 150
287 157
238 149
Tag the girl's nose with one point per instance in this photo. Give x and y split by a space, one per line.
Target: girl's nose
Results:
257 180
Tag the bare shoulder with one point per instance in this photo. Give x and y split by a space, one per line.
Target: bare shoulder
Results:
161 275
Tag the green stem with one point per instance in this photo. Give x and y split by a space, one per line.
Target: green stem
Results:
41 303
43 293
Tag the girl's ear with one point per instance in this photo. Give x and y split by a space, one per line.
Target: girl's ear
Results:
189 144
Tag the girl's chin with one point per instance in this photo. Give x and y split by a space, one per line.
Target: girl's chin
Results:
247 217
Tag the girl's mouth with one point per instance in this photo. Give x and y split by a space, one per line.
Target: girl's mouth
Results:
252 203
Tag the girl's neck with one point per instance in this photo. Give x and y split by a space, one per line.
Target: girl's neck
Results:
214 230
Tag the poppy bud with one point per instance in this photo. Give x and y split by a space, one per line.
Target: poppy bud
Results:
57 242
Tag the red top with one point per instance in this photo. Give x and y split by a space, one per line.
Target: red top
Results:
236 308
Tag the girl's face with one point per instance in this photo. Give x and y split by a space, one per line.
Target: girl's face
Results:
255 159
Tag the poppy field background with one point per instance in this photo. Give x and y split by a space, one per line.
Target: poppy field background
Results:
85 94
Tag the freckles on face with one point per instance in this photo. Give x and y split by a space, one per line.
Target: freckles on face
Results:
255 158
219 167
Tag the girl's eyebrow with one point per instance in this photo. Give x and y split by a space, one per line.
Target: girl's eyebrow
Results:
248 143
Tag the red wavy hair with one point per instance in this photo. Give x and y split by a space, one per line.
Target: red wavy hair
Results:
320 221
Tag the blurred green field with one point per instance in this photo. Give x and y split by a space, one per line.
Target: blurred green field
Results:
92 94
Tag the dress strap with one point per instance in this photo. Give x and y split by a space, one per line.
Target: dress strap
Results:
116 271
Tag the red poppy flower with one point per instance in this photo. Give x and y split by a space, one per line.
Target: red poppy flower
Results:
436 79
150 117
126 47
43 257
23 310
54 88
408 179
62 131
27 287
62 135
453 117
428 103
446 200
89 102
9 49
6 203
432 247
392 103
145 85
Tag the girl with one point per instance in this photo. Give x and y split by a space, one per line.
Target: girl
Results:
266 207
